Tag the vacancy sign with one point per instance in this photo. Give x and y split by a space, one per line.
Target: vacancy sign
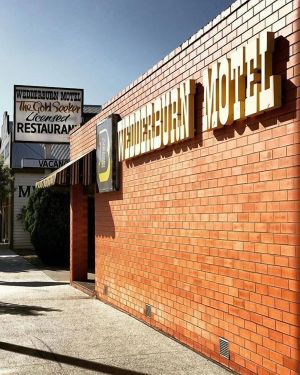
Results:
46 114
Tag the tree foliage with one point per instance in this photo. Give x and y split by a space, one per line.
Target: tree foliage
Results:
47 219
6 179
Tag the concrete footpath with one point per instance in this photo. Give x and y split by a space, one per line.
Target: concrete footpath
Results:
48 327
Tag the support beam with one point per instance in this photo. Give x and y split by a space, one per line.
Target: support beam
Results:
78 234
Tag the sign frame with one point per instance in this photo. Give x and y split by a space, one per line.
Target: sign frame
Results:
111 182
44 87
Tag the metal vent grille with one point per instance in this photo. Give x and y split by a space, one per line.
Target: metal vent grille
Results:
148 310
105 290
224 348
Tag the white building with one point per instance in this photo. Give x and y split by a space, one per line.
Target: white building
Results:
29 162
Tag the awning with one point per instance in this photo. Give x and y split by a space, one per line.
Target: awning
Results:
81 170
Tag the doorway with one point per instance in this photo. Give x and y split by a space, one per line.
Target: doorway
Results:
91 237
88 286
82 243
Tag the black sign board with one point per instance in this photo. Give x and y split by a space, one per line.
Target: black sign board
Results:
107 170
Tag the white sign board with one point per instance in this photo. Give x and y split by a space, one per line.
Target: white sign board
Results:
43 163
46 114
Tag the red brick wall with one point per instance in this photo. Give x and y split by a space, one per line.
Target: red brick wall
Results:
207 231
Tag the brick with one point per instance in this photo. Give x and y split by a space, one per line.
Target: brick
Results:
207 231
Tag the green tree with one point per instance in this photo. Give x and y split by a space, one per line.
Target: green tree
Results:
47 219
6 180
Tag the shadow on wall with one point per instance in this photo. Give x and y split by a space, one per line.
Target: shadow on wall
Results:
289 94
184 146
283 114
104 223
297 265
296 303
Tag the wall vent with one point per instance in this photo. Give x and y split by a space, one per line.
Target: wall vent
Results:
224 348
105 290
148 310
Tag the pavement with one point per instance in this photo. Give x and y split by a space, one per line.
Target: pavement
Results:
48 327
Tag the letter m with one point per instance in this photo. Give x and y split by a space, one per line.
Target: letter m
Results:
210 118
24 192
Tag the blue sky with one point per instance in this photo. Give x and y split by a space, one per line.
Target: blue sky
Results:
98 45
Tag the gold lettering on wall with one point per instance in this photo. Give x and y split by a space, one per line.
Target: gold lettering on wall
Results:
210 118
242 85
169 119
238 86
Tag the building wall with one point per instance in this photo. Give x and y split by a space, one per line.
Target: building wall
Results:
24 184
5 139
5 207
207 231
5 219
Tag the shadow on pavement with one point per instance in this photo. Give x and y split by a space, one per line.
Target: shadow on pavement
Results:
14 309
11 263
32 284
17 262
59 358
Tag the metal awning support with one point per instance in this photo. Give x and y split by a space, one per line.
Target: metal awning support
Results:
81 170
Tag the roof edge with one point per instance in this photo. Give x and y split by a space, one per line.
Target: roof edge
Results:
195 37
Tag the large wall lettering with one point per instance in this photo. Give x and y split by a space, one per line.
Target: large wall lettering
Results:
234 88
242 85
169 119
